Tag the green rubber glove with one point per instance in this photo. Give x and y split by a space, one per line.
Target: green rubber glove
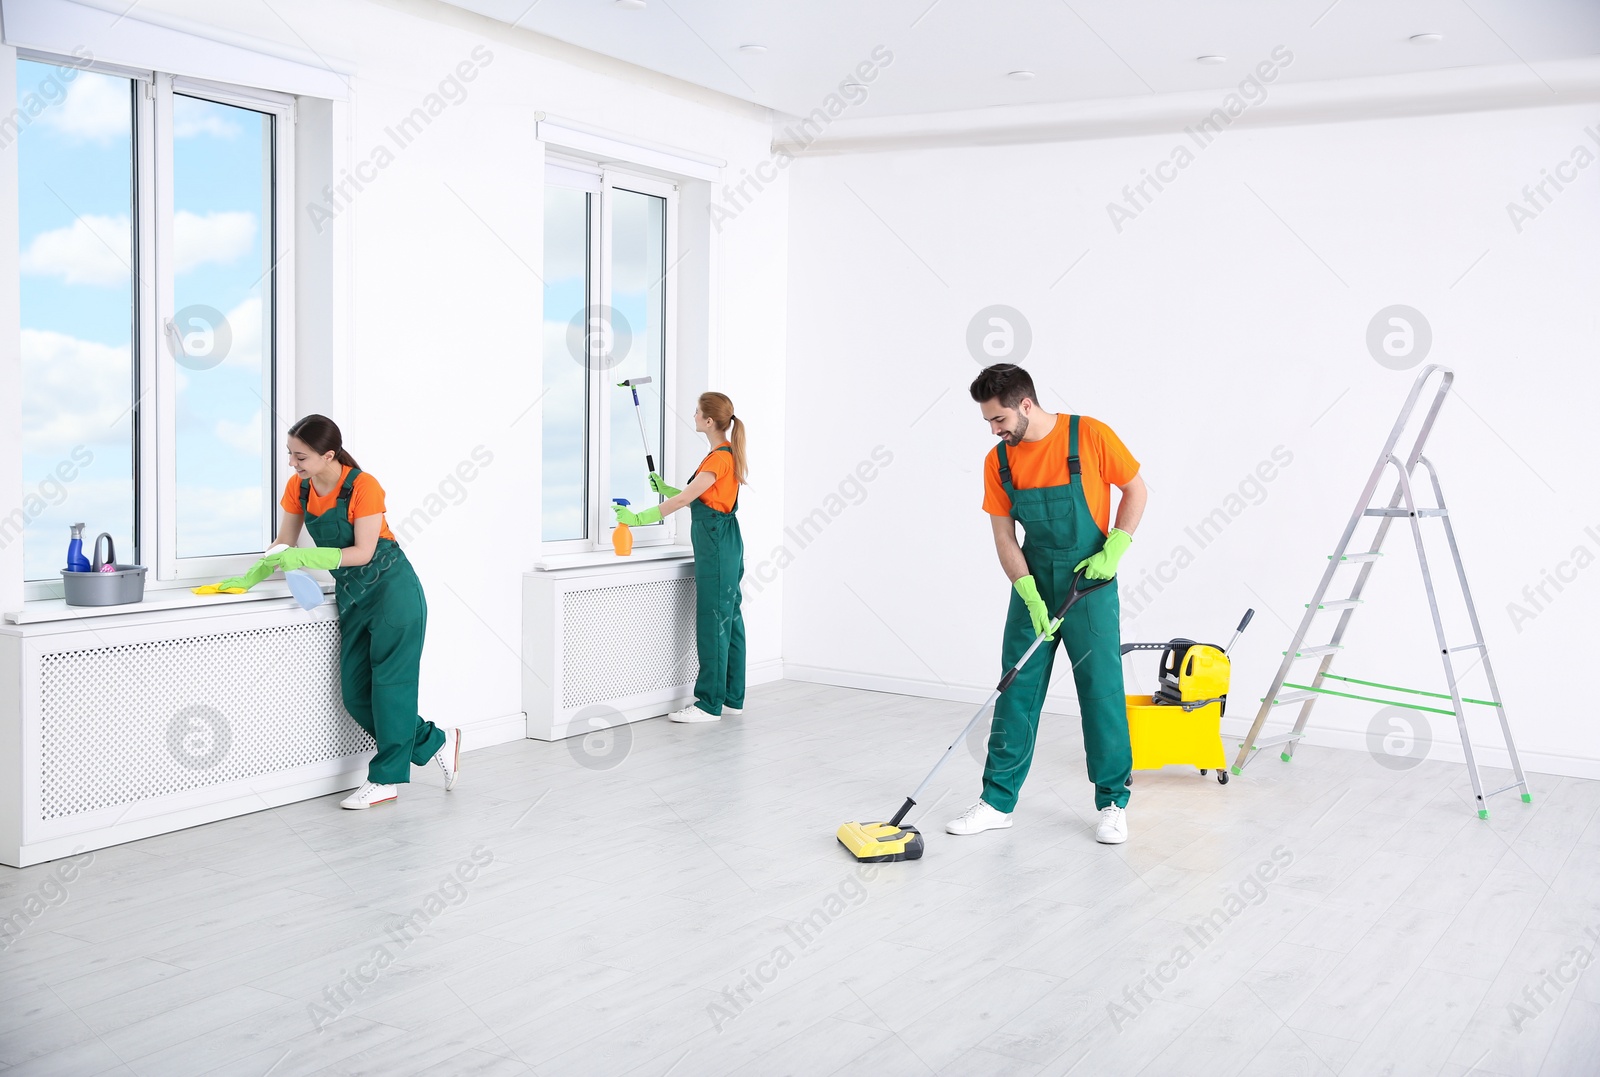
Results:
1103 565
651 515
659 486
305 557
1038 612
252 576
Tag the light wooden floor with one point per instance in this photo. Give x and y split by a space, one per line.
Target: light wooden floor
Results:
623 909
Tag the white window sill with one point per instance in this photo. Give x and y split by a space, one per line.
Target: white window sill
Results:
603 558
177 598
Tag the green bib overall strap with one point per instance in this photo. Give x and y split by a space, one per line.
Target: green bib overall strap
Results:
1060 531
1073 466
718 618
701 468
334 528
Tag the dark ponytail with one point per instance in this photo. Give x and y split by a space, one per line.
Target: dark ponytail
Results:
321 434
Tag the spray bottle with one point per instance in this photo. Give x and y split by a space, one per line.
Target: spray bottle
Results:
302 585
76 562
622 537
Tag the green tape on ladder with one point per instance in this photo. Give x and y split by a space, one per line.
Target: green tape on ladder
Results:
1369 699
1412 691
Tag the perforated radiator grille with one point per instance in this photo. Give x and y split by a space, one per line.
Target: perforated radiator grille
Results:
140 720
617 641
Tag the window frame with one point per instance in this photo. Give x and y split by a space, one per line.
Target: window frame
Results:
597 448
154 389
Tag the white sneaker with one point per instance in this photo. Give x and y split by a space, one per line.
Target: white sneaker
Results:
449 757
692 713
1113 828
977 819
369 795
732 710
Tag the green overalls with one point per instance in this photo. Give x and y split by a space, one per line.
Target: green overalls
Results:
718 620
1059 533
382 619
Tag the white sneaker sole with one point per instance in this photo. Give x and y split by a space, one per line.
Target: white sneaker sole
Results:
732 710
1110 839
694 715
363 805
455 766
950 828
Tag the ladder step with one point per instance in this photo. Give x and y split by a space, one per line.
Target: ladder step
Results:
1290 697
1465 647
1405 512
1317 652
1337 604
1277 739
1357 558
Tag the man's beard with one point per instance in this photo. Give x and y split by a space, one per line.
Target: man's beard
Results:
1015 437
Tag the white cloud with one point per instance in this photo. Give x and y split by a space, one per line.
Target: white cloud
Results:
191 117
220 519
98 108
245 322
91 250
245 436
95 249
216 237
74 392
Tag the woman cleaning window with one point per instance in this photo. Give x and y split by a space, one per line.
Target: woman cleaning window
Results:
713 499
382 612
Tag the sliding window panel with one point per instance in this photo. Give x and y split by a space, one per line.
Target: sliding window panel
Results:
220 335
75 142
569 228
638 340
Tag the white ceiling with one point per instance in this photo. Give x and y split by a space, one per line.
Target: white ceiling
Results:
955 54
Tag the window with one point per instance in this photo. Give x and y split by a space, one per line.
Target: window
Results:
607 237
154 354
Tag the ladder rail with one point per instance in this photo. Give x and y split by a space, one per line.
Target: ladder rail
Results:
1447 377
1444 644
1477 626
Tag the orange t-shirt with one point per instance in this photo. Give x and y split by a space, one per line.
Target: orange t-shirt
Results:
725 490
366 499
1105 461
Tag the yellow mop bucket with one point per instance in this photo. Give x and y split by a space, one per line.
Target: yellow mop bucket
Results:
1182 721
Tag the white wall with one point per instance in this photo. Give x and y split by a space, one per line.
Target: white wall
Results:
1226 319
437 302
445 306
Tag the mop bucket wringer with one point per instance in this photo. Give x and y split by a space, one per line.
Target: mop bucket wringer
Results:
1181 722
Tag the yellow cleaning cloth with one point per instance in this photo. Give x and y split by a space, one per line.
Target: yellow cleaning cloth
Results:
217 589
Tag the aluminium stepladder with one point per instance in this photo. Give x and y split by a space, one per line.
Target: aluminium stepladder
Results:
1402 505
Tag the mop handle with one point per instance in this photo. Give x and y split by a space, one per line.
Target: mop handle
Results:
639 414
1244 621
1005 682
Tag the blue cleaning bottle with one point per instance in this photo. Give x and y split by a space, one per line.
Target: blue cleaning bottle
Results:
76 562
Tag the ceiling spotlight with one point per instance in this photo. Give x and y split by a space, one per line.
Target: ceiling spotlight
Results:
1425 39
753 50
1019 76
1211 59
630 5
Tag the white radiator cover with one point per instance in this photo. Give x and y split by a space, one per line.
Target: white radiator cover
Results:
142 720
614 642
120 727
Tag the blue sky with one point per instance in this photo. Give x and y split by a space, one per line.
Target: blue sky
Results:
75 172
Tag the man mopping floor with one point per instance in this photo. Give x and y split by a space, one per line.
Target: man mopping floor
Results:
1053 474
